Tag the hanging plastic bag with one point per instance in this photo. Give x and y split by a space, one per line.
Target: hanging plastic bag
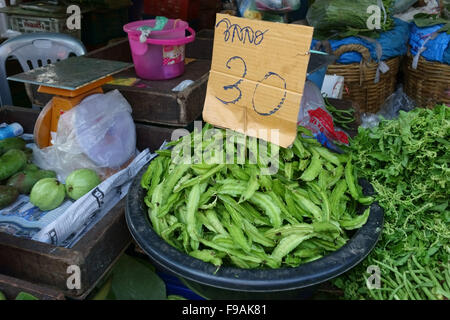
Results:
398 101
99 134
247 9
317 119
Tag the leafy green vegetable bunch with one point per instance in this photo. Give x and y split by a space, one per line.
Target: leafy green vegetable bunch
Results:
407 162
345 18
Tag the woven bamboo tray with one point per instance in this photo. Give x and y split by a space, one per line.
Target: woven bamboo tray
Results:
429 84
359 79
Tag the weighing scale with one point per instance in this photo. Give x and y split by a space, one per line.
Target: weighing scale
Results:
70 81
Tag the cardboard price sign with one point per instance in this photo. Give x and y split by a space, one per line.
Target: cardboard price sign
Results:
257 77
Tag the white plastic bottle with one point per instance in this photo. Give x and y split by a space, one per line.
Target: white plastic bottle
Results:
12 130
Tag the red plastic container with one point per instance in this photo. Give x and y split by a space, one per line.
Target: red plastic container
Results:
173 9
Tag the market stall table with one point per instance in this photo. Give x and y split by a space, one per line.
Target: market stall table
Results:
47 265
11 287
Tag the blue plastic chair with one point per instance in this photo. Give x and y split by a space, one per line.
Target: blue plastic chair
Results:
34 50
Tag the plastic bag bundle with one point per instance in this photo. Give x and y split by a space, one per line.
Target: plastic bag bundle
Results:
398 101
98 134
393 44
314 116
261 10
430 43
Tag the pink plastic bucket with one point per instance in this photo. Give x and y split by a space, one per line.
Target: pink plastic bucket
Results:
161 57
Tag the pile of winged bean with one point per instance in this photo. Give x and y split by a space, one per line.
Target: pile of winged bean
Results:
232 215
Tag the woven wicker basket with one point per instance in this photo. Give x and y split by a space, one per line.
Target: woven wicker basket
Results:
429 84
359 79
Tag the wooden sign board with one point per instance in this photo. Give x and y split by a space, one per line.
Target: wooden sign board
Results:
257 77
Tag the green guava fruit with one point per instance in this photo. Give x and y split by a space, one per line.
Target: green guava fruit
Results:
80 182
47 194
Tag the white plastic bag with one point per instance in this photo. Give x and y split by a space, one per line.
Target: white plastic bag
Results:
98 134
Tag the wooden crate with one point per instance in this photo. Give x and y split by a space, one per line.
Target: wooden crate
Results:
11 287
45 264
202 47
152 136
158 104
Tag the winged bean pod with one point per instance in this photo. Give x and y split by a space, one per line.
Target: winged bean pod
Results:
215 222
236 253
327 155
237 235
325 202
252 187
288 244
207 256
308 205
313 170
230 213
298 229
350 179
233 189
356 222
280 204
202 178
256 235
191 207
265 202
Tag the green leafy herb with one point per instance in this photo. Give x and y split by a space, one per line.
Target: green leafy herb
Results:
345 18
407 161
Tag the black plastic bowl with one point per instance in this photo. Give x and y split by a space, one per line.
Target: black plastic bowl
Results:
234 283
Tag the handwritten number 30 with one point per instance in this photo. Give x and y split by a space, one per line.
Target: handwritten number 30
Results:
236 87
267 76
